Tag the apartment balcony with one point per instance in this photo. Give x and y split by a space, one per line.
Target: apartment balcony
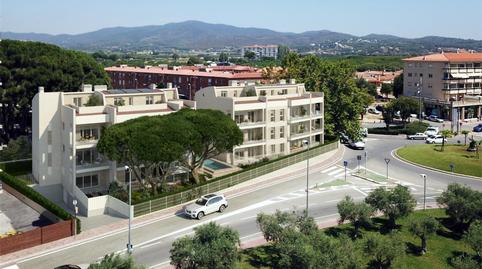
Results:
252 143
86 142
299 134
91 166
247 124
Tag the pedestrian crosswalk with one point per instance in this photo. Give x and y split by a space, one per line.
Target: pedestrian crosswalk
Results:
334 171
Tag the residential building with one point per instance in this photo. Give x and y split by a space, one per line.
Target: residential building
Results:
261 51
378 77
65 132
188 80
449 84
275 119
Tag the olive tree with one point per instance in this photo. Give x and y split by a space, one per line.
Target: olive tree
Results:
423 228
356 213
473 238
461 203
384 249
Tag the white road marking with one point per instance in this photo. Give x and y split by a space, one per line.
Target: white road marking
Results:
326 216
342 174
296 194
335 172
157 243
251 235
159 264
360 191
329 169
250 217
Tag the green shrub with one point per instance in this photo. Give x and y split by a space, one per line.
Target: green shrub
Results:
17 168
384 131
33 195
416 127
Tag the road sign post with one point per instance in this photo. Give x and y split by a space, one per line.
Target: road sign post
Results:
358 158
345 164
387 161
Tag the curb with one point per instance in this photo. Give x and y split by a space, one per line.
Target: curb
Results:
371 180
396 156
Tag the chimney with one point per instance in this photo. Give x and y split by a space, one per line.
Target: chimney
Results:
282 81
41 89
86 87
169 85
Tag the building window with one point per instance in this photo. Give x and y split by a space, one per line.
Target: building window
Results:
421 75
282 115
49 137
430 75
87 181
409 84
272 115
409 75
262 93
281 148
131 101
224 93
235 93
77 101
281 132
430 85
49 159
273 149
272 133
149 100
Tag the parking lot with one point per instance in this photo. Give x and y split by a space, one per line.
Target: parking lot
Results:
15 216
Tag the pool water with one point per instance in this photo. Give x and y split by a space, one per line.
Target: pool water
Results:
214 165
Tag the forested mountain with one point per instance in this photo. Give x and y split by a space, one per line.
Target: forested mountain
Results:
200 35
26 66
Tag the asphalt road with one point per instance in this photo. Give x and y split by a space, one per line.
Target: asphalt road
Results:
152 241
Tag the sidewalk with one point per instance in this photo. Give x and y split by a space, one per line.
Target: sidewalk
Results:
316 164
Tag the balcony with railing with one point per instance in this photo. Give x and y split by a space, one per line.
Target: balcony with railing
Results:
87 137
249 119
90 160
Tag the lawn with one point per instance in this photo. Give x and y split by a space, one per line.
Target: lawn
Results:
441 247
430 155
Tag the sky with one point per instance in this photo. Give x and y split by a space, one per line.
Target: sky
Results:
405 18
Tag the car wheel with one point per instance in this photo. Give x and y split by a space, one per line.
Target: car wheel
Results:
200 215
221 208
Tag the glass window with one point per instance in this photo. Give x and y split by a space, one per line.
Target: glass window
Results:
282 132
224 93
281 148
49 159
131 101
273 132
95 180
149 100
49 137
430 75
77 101
409 74
87 181
273 148
272 115
282 115
79 182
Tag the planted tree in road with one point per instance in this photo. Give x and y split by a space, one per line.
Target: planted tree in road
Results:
387 114
473 238
213 133
394 203
384 249
212 246
423 228
462 204
357 213
116 261
445 134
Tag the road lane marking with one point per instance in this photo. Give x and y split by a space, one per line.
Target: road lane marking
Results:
250 217
159 264
156 243
360 191
335 172
329 169
327 216
339 175
251 235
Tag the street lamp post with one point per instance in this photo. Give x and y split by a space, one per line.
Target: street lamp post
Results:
307 173
345 164
76 211
424 176
387 161
366 158
129 245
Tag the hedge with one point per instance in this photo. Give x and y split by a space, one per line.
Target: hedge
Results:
35 196
16 168
192 186
410 129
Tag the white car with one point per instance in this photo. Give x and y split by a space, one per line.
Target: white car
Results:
431 131
205 205
435 118
435 139
417 136
357 144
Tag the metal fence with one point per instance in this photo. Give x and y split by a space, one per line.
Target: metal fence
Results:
229 180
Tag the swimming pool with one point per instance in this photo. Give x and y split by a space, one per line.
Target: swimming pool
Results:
214 165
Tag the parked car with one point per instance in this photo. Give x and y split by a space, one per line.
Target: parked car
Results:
431 131
364 132
435 139
435 118
417 136
205 205
478 128
374 111
357 144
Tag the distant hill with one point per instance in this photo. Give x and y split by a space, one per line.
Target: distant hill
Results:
200 35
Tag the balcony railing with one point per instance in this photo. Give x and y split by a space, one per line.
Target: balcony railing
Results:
249 123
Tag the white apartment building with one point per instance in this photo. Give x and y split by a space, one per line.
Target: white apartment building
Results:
449 84
275 119
261 51
65 131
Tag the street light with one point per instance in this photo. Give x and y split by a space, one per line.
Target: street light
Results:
306 142
387 161
424 176
129 245
76 211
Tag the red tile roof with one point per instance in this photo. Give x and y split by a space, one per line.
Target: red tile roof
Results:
447 57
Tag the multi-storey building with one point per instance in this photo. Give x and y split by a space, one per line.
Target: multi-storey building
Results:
188 80
65 132
269 51
449 84
275 119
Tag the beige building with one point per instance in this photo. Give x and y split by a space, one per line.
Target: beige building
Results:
275 119
450 84
65 131
268 51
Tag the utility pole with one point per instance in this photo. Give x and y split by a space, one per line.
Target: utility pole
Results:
424 176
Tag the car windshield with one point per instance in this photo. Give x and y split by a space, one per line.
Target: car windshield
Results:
201 201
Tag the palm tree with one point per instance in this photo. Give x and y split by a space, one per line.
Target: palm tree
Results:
445 134
465 133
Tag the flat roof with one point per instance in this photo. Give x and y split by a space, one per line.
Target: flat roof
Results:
130 91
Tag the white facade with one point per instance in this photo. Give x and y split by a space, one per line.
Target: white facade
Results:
65 134
275 119
270 51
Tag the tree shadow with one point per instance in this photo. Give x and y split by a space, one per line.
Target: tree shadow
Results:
452 230
413 249
260 256
384 226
